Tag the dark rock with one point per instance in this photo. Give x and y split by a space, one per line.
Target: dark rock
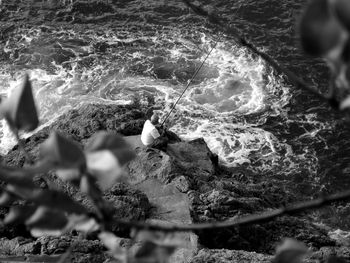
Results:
88 258
228 199
18 246
58 245
190 159
325 252
81 250
85 121
132 127
12 231
229 256
214 193
80 124
182 184
171 206
131 204
151 163
194 154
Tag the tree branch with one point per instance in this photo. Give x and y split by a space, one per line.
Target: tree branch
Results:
239 37
250 219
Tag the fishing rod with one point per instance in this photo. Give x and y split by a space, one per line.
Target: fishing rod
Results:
189 82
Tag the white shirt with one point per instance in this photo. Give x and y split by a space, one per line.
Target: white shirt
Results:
149 133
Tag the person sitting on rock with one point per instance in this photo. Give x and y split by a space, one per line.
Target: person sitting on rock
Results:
150 135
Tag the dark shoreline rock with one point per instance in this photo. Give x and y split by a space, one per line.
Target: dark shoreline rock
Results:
226 256
80 124
214 193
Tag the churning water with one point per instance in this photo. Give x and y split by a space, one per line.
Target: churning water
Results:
249 115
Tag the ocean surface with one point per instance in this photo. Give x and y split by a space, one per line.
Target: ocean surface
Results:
252 117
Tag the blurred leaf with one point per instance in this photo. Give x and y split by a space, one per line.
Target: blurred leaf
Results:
146 235
62 152
21 191
89 187
157 245
111 242
345 56
70 175
106 153
334 103
320 31
58 200
16 176
342 11
345 104
103 140
82 223
105 167
45 218
150 252
23 176
19 109
333 259
36 232
19 214
290 251
6 199
124 155
112 142
50 198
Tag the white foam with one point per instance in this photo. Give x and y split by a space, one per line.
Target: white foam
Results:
232 84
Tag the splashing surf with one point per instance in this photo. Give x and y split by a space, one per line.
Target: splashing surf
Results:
69 68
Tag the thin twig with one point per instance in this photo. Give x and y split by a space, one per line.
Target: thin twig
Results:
250 219
239 37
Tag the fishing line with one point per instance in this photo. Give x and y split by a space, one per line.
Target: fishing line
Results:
189 82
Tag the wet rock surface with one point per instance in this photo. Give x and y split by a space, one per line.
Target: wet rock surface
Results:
226 256
224 199
49 249
80 124
188 178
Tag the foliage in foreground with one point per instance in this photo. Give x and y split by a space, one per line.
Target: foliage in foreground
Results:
52 212
324 32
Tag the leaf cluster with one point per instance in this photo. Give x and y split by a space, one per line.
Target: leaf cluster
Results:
52 212
325 32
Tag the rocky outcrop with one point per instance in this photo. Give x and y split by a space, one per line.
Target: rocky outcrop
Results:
191 168
229 256
19 246
172 207
49 249
80 124
184 162
326 252
241 256
182 185
225 199
151 163
130 204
